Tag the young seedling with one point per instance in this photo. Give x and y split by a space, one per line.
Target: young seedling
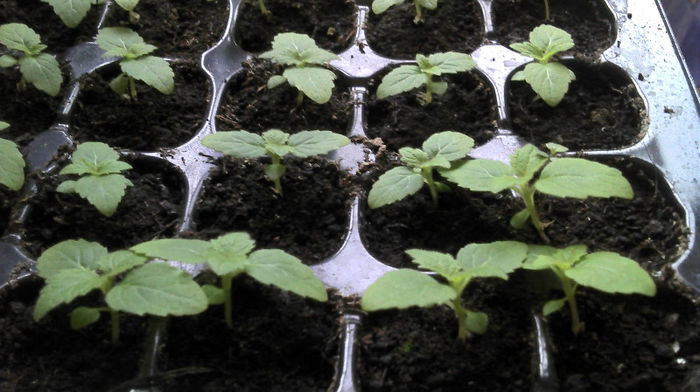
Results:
549 79
300 52
561 177
546 11
72 12
439 151
404 288
100 181
264 10
229 256
77 267
574 266
379 6
275 144
135 62
11 163
38 68
409 77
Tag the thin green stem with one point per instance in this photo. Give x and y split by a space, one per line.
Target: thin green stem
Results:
428 176
132 88
277 180
226 287
429 90
570 292
459 310
546 11
114 315
528 194
300 98
263 9
419 13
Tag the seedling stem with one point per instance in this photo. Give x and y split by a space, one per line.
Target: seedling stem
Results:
419 14
569 288
264 10
546 11
226 287
528 194
460 311
428 175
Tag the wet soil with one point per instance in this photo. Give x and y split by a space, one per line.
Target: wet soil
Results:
150 209
601 110
331 23
5 206
248 104
151 122
468 106
590 22
453 26
309 219
279 342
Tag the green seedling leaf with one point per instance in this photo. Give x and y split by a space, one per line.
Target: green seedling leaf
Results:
215 295
496 259
612 273
553 305
393 186
157 289
94 158
527 160
43 72
298 50
550 40
4 125
18 36
580 178
441 263
379 6
103 192
69 255
71 12
405 288
451 62
476 322
519 220
228 254
7 61
275 81
154 71
448 145
11 165
239 144
83 316
275 267
316 83
402 79
116 41
185 251
128 5
482 175
63 287
117 262
310 143
550 81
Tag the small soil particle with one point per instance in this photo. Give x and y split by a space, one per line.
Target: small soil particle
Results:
5 206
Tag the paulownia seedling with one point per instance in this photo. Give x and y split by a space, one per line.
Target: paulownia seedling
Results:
75 268
549 79
379 6
409 77
72 12
562 177
574 266
275 144
100 181
229 256
38 68
135 62
300 52
439 151
404 288
11 163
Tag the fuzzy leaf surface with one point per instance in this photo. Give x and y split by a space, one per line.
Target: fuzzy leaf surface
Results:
495 259
70 254
43 72
71 12
64 287
215 295
175 249
298 50
379 6
239 144
11 165
394 185
482 175
612 273
526 161
103 192
95 158
316 83
405 288
439 262
229 253
551 40
580 178
128 5
402 79
449 145
275 267
7 61
154 71
309 143
18 36
120 261
116 41
452 62
550 81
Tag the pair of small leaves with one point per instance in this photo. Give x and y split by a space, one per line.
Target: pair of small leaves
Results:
76 267
100 182
135 60
299 51
72 12
550 80
379 6
11 163
230 254
439 150
408 77
40 69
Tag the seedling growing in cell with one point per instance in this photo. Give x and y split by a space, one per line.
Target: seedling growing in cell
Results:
404 288
100 180
549 79
546 11
229 256
275 144
439 151
264 10
135 62
11 163
300 52
574 266
409 77
72 12
38 68
379 6
561 177
77 267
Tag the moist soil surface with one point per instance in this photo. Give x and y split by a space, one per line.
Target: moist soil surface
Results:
309 219
453 26
601 110
6 202
403 120
49 356
279 342
151 122
150 209
40 17
179 28
331 23
589 22
248 104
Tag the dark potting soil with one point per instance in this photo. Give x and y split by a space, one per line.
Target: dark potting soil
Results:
279 342
631 343
309 219
601 110
590 22
331 23
179 28
49 356
453 26
40 17
648 228
6 202
248 104
29 112
150 209
417 349
151 122
402 120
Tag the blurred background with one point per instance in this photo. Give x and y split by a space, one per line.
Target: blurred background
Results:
684 16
